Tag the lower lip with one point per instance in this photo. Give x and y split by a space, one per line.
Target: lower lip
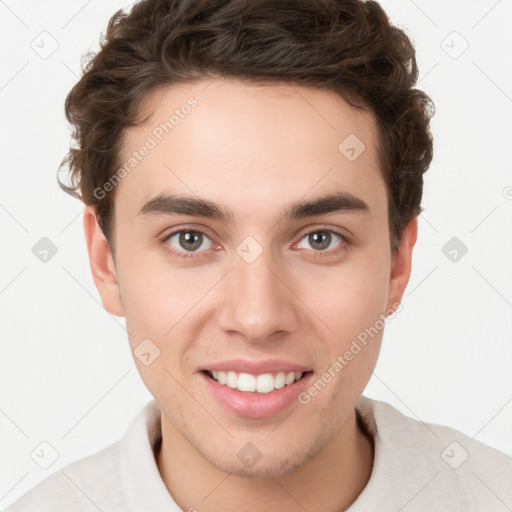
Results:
256 405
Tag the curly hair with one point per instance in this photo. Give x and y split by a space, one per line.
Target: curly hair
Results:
345 46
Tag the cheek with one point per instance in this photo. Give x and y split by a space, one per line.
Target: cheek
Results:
160 304
349 298
148 302
155 309
148 287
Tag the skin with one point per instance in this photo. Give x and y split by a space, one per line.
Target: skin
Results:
269 146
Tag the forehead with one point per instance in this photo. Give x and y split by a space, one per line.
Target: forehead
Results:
244 145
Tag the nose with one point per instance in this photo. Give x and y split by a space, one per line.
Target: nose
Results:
258 300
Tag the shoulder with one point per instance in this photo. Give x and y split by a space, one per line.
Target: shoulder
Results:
122 476
433 464
79 486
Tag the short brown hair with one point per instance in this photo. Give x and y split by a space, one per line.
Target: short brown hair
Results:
345 46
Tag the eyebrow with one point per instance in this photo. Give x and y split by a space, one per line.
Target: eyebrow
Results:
173 204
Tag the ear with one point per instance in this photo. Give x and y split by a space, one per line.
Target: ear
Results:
102 263
402 264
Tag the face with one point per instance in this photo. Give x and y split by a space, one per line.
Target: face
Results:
244 291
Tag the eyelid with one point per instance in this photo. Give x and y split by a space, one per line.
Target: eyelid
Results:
325 228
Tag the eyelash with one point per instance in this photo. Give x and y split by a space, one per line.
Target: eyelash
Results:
183 254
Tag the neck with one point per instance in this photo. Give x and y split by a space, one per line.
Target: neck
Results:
331 480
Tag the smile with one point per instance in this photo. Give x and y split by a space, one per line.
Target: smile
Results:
264 383
254 388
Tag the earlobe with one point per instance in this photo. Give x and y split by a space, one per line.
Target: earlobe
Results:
102 263
402 264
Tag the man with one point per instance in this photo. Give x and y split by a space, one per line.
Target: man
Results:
253 174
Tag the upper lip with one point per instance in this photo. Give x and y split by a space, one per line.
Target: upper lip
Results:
256 367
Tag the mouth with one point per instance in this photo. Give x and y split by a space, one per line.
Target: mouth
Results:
256 390
258 384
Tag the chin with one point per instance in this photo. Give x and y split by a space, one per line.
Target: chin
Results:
270 463
261 469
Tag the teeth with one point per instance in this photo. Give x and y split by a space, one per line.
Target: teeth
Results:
279 381
290 377
231 379
246 382
264 383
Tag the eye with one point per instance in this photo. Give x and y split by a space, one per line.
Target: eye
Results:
186 241
321 239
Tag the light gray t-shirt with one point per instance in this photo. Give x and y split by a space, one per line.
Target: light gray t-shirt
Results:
418 467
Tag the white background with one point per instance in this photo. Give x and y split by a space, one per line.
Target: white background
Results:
67 374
